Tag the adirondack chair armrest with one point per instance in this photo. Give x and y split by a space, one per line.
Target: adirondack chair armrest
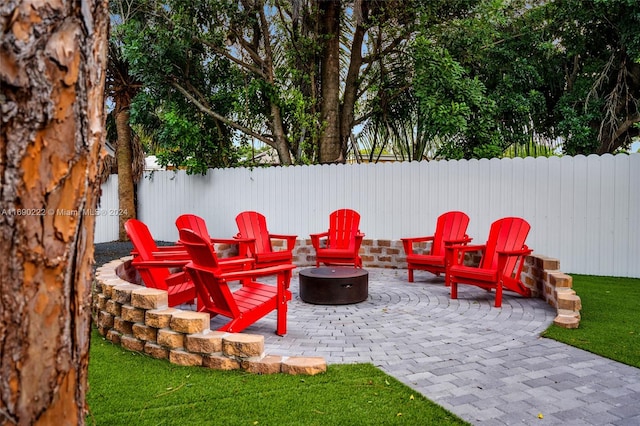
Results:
231 241
315 238
161 263
236 264
462 242
177 247
171 255
418 239
410 241
246 246
291 239
523 252
262 272
163 249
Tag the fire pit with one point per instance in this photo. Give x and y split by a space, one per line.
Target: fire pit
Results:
339 285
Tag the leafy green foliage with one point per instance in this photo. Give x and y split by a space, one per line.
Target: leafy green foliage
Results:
161 45
558 72
454 106
599 47
420 79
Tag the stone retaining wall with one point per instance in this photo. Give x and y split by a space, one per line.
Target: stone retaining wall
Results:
543 276
139 319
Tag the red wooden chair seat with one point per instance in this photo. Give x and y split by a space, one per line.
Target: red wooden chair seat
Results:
451 229
257 241
473 273
426 260
337 254
340 245
501 263
275 257
252 301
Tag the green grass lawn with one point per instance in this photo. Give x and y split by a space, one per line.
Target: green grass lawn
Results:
610 318
128 388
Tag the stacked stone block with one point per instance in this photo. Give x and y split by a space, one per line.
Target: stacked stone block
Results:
374 253
139 319
543 276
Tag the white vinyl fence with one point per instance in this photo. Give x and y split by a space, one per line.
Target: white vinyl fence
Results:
584 211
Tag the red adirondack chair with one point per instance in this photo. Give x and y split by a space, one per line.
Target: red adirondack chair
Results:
143 243
340 245
160 269
252 227
502 260
199 226
451 229
252 301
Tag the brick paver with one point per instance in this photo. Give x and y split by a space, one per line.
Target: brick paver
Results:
487 365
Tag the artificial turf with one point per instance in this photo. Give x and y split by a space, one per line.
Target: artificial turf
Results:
130 388
610 318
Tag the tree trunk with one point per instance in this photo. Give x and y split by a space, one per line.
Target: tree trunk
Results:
52 61
330 146
124 155
279 137
351 84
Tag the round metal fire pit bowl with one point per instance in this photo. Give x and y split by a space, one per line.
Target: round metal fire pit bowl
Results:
338 285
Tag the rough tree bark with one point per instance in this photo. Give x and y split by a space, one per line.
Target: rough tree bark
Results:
52 60
124 155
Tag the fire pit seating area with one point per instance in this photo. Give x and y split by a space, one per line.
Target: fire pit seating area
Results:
504 262
137 298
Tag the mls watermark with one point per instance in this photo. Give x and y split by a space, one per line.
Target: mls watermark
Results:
64 212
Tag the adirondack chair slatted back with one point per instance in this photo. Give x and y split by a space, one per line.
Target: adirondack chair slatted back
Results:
253 225
145 246
344 225
450 226
506 234
141 238
501 264
194 223
204 270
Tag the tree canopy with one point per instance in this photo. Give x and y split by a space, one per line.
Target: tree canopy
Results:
315 80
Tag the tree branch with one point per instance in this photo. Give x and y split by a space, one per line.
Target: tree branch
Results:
254 69
222 118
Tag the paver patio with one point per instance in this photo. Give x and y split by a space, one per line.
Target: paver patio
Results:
487 365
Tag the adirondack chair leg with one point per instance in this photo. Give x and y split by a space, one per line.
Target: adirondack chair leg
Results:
499 295
410 275
454 290
281 327
283 307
